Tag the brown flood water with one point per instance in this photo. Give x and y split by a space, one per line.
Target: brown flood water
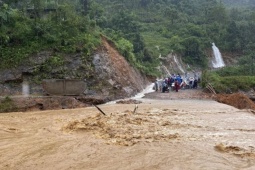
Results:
162 134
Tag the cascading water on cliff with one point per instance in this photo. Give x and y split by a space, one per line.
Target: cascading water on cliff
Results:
218 61
179 65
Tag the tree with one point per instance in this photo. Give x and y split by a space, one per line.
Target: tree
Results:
175 44
219 14
144 3
85 4
193 52
171 14
232 37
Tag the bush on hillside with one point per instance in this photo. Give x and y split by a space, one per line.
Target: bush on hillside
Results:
7 105
227 83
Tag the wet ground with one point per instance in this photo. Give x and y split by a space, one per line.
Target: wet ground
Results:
163 132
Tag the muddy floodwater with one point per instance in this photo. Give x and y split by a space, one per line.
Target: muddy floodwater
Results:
158 135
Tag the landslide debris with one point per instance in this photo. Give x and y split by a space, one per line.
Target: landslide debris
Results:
237 100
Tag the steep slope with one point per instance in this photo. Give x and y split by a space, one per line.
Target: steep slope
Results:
120 77
107 77
172 64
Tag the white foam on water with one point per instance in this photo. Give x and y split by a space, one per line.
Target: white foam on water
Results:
148 89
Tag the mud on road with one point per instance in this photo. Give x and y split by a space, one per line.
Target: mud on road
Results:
237 100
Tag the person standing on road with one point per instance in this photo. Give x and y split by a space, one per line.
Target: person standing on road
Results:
176 85
156 85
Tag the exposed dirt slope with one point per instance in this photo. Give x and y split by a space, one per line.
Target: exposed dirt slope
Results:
121 79
237 100
111 77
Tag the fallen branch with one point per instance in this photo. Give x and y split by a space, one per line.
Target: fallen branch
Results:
136 107
210 88
100 110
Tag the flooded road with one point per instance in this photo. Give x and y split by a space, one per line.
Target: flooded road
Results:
160 134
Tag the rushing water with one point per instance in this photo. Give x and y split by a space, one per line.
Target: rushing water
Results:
218 61
161 134
148 89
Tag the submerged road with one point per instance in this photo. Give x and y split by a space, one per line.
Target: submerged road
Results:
162 134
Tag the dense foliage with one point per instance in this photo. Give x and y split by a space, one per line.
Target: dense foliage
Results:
237 3
142 30
232 78
27 27
228 84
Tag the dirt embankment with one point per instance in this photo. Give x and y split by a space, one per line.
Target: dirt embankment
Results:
27 104
237 100
107 74
111 78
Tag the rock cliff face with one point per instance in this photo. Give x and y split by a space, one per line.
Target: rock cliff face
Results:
120 77
172 64
108 75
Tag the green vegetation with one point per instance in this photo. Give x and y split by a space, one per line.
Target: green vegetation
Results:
141 30
7 105
185 27
25 32
232 78
244 67
228 83
244 3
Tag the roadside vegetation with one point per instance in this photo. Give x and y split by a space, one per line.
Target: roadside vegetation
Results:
232 78
7 105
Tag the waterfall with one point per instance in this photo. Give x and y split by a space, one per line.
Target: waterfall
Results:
218 61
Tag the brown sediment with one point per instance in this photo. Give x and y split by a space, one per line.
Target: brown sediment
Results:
162 134
237 100
124 129
130 101
235 150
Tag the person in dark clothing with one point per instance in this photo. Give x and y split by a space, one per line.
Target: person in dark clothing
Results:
165 87
176 85
169 81
195 84
156 85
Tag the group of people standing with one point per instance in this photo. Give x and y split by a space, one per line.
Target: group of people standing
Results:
176 82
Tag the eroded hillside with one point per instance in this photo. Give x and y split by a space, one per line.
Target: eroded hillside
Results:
107 76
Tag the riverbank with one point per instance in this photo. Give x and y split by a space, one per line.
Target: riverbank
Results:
41 103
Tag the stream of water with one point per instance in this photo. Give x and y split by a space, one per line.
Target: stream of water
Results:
218 61
148 89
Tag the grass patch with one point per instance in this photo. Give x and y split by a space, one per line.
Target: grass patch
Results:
7 105
228 83
154 40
